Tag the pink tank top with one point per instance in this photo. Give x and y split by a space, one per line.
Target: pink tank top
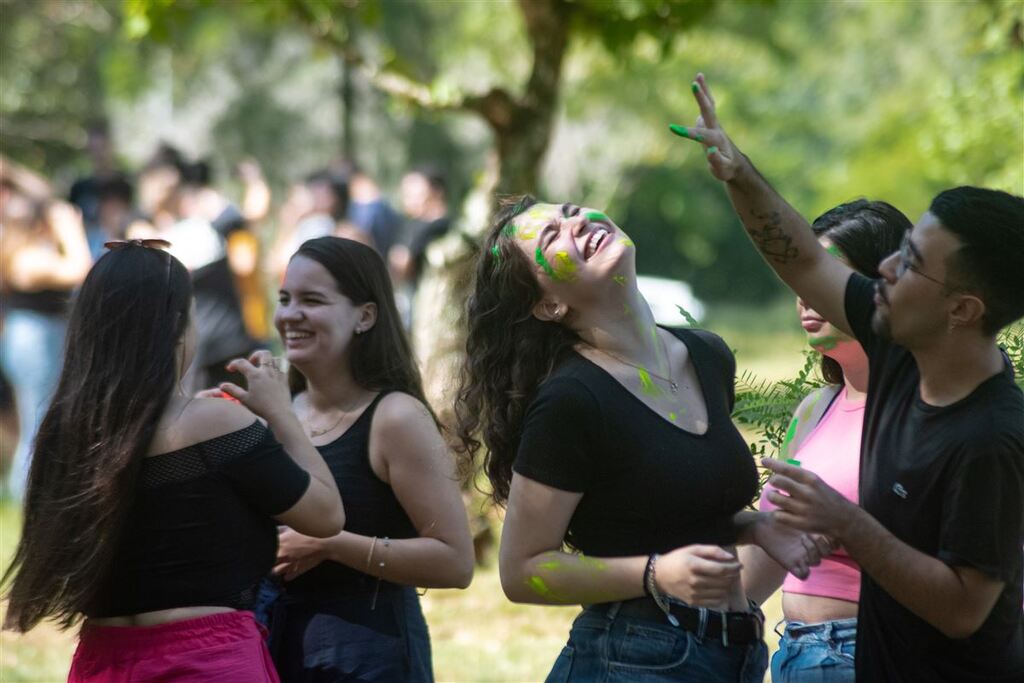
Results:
832 451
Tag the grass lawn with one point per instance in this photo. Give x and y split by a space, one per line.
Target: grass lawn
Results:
477 634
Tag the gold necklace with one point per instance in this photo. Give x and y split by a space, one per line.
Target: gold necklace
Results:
672 385
313 433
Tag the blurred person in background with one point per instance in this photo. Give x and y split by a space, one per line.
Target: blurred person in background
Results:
348 610
44 255
148 511
86 192
368 209
424 197
819 640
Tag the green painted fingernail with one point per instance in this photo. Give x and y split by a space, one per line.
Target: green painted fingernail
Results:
694 87
792 461
711 150
679 130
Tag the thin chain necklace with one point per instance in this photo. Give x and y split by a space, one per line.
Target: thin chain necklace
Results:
672 385
313 433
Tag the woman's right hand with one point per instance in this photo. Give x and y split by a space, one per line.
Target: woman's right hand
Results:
699 575
268 395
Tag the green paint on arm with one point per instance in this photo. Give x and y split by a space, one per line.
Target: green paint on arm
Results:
550 565
834 250
673 417
538 586
790 435
592 563
621 279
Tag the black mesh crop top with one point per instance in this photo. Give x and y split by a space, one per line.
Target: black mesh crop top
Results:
200 530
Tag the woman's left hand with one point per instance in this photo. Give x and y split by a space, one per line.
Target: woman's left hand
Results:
795 550
297 554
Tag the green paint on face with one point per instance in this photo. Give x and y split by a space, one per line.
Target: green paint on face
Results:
565 267
543 263
793 461
824 343
538 586
625 241
647 385
595 216
621 279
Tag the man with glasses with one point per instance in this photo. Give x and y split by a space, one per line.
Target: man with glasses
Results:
940 526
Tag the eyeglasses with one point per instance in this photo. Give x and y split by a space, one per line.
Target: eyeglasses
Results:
907 261
149 244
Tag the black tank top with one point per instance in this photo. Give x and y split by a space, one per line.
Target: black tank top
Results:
371 509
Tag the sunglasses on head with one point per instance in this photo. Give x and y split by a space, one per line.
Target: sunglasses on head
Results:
148 243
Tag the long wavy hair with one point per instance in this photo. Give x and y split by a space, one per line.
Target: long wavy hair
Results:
866 232
509 353
120 369
381 357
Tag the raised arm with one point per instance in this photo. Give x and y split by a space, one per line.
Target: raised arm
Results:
782 235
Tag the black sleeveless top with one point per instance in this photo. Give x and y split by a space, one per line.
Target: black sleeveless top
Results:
200 530
648 486
371 509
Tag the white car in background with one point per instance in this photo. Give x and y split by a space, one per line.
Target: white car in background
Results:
666 297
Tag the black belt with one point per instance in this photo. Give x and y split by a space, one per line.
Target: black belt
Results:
738 628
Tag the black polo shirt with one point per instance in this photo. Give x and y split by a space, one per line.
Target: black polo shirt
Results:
949 482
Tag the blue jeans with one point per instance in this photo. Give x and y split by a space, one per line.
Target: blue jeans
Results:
606 646
816 653
31 350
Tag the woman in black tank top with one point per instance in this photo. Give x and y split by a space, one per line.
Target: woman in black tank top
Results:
348 609
610 435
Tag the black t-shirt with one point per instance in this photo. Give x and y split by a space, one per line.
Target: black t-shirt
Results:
200 531
648 486
949 482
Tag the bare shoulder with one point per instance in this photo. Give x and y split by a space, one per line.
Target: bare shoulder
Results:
400 416
201 420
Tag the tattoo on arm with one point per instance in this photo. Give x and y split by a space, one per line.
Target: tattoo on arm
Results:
771 239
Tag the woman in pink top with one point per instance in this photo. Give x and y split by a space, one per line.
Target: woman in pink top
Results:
824 436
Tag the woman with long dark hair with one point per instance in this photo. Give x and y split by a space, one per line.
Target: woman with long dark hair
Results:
148 511
349 610
824 437
611 435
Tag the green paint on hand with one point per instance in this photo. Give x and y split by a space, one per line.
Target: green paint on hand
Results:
595 216
543 263
824 343
565 267
793 461
695 87
621 279
711 150
538 586
681 131
647 385
626 242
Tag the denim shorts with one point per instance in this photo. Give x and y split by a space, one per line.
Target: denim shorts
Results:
606 646
816 653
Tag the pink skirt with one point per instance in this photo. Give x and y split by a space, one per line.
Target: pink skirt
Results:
220 648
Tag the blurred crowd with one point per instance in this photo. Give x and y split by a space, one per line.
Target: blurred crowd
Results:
235 237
